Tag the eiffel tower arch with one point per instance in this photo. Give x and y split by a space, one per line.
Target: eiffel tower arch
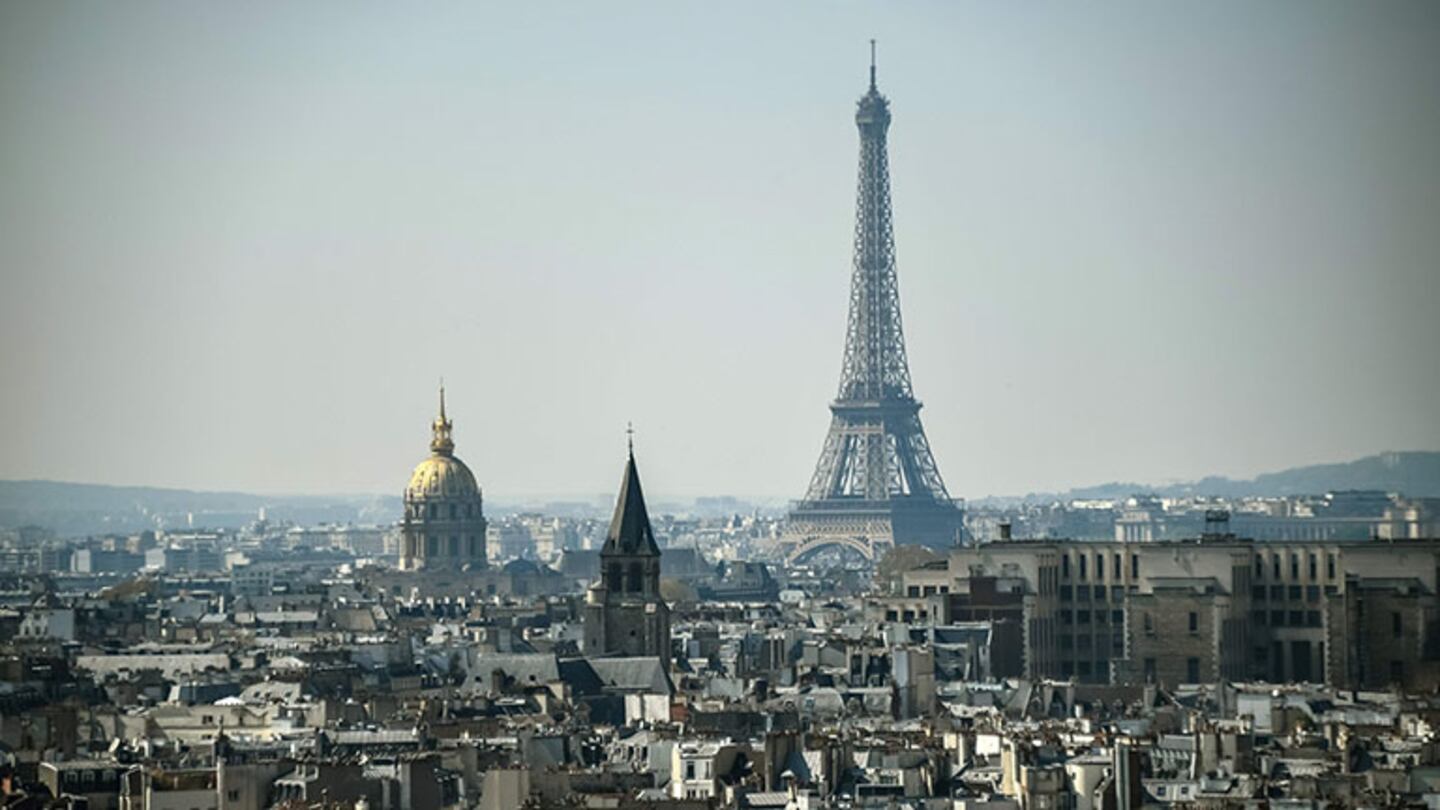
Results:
876 483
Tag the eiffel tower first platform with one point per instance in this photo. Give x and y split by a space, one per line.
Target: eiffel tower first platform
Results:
876 484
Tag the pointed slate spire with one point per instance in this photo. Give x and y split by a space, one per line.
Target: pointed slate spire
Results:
630 531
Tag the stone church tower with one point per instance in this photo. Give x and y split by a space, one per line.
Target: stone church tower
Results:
624 613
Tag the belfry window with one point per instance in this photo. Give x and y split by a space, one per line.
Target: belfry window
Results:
636 577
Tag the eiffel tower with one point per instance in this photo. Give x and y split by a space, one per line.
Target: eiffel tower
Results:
876 483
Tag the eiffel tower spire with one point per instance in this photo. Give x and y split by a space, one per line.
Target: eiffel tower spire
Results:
876 482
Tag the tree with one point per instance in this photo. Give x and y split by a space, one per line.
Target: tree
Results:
897 561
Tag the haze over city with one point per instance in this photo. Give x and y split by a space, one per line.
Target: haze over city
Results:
242 243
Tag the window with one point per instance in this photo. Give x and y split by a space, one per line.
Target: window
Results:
1397 671
1099 567
1397 625
1083 558
1117 617
1134 566
1150 670
1065 566
232 795
1149 625
1066 593
1294 566
913 590
1295 593
1314 567
1312 618
1082 617
1117 567
1192 670
1330 566
1194 623
1277 618
1259 567
1312 593
1275 565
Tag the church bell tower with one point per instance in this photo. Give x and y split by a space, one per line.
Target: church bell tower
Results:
625 615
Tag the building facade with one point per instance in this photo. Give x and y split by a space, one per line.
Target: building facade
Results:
1347 614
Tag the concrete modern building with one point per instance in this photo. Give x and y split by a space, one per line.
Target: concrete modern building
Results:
1348 614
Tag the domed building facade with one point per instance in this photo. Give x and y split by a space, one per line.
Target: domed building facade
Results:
444 525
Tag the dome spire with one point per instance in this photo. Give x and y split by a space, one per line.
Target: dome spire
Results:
440 441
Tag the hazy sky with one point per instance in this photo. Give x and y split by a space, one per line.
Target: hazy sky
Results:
240 242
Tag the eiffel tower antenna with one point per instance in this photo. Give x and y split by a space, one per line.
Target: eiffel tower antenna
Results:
876 483
872 64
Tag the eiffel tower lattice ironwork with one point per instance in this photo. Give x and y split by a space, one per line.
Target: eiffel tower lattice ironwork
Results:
876 483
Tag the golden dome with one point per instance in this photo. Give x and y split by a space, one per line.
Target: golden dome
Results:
442 476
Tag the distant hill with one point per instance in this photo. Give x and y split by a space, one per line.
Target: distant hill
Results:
1415 473
79 509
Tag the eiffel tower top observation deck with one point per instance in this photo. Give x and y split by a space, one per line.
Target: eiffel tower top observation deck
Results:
876 482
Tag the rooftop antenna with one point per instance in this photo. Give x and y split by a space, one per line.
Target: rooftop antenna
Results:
630 437
872 64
